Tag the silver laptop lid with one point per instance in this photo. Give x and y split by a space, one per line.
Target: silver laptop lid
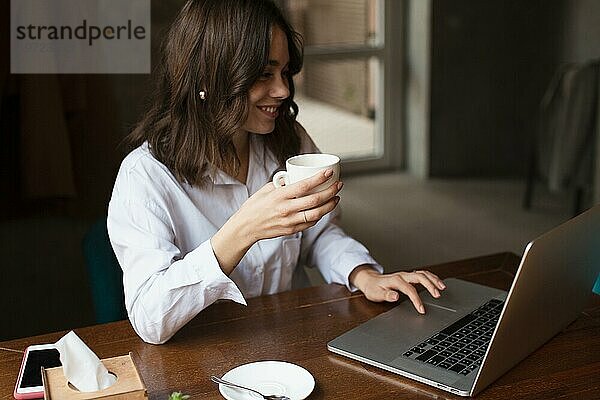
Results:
551 287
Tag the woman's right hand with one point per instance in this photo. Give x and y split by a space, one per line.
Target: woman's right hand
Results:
273 212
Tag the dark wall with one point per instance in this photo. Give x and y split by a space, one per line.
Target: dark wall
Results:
490 64
45 287
99 111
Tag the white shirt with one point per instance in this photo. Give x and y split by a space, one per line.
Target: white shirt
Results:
160 230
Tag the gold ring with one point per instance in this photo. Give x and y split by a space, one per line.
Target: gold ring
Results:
304 215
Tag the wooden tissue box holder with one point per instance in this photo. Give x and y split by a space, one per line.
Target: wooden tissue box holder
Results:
129 384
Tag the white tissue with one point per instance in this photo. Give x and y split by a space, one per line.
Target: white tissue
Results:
82 368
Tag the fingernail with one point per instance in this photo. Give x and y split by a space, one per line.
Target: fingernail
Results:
422 309
442 285
393 296
437 293
328 172
340 185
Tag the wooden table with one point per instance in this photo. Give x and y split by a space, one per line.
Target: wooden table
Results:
295 326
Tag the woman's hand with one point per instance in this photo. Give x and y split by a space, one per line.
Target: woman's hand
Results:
377 287
273 212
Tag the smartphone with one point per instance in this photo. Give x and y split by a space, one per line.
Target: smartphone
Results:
29 382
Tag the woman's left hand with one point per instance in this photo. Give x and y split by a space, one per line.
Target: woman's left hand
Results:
378 287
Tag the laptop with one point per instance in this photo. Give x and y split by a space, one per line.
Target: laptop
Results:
473 334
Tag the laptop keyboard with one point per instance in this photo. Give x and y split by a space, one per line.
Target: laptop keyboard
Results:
461 346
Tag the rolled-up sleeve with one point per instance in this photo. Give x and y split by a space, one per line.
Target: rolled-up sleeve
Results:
164 289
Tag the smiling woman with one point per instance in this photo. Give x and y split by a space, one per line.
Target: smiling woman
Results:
194 217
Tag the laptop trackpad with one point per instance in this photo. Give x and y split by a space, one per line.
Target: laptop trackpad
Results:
390 334
404 326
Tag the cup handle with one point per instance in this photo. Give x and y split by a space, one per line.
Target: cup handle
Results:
278 177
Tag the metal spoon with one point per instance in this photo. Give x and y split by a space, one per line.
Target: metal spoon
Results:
266 397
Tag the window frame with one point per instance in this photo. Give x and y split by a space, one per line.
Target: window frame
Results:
387 49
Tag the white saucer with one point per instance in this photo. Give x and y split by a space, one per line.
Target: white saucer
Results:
268 377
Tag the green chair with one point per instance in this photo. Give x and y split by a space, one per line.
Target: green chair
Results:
104 273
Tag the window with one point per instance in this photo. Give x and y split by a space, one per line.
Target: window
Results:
341 90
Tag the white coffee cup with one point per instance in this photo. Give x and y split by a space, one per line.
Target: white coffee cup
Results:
306 165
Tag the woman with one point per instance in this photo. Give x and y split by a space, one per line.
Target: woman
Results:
194 217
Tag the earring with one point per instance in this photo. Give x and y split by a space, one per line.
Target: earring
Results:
202 95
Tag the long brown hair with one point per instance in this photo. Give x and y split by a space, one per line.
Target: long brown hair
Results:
220 47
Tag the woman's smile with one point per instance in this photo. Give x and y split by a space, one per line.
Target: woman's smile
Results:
270 111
